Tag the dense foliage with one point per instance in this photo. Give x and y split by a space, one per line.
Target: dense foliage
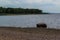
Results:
19 11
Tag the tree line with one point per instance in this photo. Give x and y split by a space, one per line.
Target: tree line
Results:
19 11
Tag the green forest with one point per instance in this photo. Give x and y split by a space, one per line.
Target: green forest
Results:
19 11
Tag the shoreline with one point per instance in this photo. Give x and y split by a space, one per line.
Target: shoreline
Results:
20 14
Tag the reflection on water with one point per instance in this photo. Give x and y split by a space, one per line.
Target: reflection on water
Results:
52 20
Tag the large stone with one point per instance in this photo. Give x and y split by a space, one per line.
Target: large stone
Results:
43 25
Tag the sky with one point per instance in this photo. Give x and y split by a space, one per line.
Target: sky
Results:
52 6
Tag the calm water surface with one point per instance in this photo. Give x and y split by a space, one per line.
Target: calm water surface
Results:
52 20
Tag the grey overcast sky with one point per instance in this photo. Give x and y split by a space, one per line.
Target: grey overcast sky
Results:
52 6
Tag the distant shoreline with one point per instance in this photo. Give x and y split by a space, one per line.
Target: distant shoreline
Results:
20 11
17 14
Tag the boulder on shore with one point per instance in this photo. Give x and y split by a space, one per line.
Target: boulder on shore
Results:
43 25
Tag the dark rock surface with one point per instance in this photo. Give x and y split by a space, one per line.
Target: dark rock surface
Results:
43 25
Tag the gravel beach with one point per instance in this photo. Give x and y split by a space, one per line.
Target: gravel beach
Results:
29 34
